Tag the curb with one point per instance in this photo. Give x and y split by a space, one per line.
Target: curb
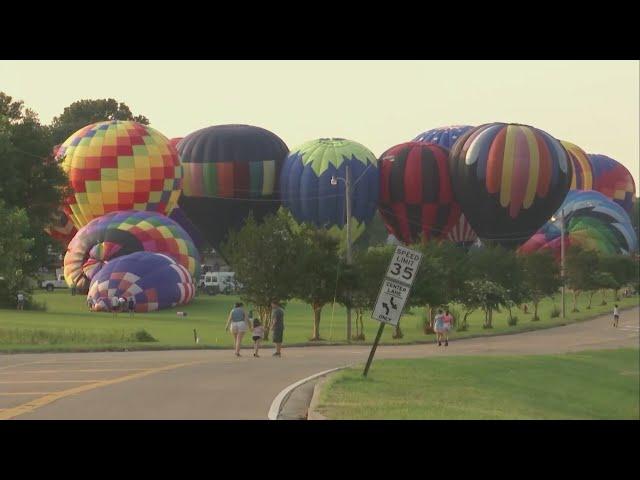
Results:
281 398
312 413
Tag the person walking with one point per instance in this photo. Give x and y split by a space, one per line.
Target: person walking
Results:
237 325
277 319
448 325
258 333
132 306
438 326
90 303
616 315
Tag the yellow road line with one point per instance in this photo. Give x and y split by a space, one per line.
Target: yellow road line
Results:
52 397
84 370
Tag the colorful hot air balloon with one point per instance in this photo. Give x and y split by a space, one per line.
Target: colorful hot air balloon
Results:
416 197
443 136
122 233
154 280
61 228
582 178
462 233
230 171
174 141
119 165
592 221
509 179
307 190
612 179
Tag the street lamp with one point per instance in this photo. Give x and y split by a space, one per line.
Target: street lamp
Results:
553 219
347 185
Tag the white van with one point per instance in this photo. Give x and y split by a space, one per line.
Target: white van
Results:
219 282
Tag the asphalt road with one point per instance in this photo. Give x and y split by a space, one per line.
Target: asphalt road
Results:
214 384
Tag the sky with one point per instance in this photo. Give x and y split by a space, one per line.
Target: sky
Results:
594 104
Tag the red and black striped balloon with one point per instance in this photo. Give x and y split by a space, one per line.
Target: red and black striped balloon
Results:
416 196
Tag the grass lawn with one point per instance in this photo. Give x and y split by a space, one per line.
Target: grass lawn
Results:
584 385
69 325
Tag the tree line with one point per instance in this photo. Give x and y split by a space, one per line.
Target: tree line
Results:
32 185
277 260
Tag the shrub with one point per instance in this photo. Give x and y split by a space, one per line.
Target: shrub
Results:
555 312
143 336
512 321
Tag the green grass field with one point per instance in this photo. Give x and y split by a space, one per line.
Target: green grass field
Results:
67 318
584 385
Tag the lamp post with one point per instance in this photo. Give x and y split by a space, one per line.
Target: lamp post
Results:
561 257
347 185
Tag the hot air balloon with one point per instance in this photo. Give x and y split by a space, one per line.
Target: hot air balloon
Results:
582 178
443 136
154 280
174 141
119 165
229 171
416 197
592 221
310 195
612 179
178 216
121 233
61 228
509 179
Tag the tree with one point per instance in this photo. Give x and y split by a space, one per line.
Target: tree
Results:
502 268
15 246
541 277
440 278
263 255
601 281
318 266
375 235
363 280
85 112
621 268
581 267
485 295
28 180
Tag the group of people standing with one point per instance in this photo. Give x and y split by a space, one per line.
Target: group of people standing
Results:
113 305
443 322
239 323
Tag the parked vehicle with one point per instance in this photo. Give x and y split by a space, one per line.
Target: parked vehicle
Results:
219 282
58 282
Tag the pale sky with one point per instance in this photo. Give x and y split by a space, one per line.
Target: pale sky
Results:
594 104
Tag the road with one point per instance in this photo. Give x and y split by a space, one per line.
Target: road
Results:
214 384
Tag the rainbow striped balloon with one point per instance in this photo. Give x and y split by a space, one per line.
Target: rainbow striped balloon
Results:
509 179
582 178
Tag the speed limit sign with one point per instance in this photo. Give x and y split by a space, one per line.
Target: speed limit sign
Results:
404 265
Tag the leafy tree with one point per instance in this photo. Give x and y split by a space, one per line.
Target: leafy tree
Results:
85 112
29 181
621 268
601 281
318 266
15 247
502 268
581 267
541 277
363 280
485 295
263 256
375 235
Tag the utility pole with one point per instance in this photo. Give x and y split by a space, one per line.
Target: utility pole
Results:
562 258
347 184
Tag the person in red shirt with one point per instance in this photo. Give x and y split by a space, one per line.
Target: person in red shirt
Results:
448 324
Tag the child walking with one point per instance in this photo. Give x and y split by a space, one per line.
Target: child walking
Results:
258 333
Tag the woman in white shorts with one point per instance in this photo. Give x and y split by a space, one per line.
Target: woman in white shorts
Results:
237 325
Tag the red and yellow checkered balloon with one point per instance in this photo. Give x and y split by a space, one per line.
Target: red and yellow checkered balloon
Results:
119 165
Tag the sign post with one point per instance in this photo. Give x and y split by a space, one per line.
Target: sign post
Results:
394 292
